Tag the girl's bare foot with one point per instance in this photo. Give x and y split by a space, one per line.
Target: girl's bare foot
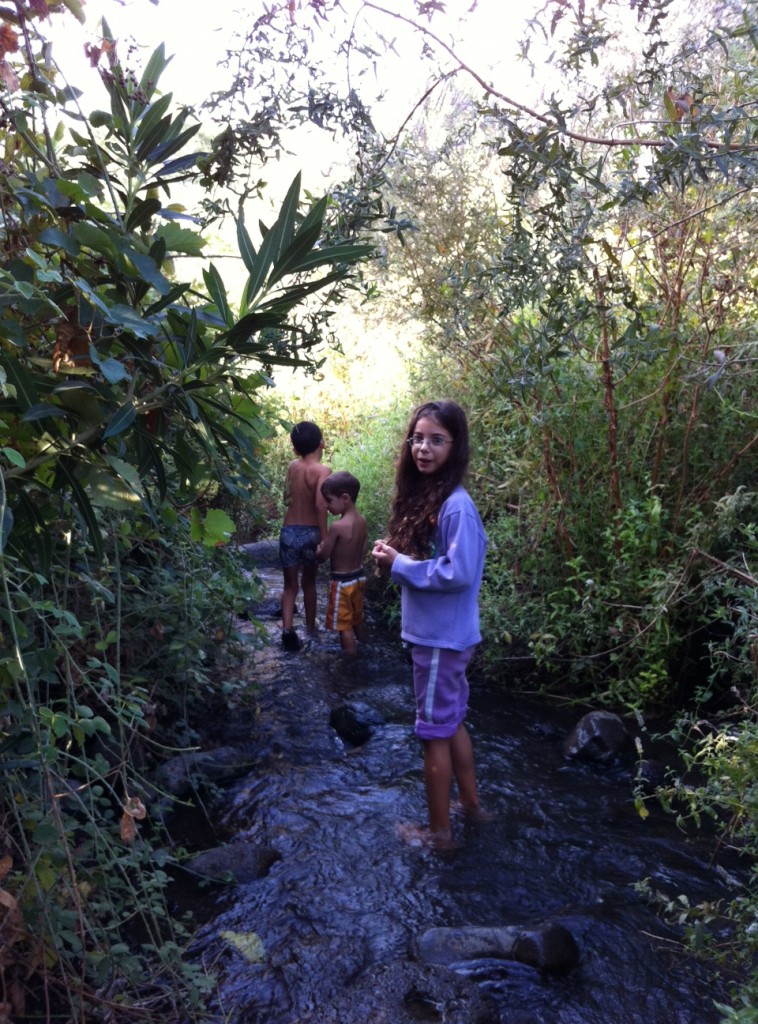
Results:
470 813
418 835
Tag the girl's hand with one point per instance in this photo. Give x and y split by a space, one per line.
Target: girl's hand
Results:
383 554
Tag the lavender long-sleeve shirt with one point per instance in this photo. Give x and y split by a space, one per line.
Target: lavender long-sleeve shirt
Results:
440 596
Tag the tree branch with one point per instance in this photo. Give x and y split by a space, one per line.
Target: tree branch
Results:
550 122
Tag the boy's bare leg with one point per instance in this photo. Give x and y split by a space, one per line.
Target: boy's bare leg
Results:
360 632
438 780
347 639
289 596
308 581
464 769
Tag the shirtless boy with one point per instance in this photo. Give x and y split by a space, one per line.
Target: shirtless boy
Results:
345 546
303 529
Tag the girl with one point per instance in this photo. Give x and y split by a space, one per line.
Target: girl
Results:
435 551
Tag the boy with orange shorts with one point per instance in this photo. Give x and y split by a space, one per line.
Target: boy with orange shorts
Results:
345 546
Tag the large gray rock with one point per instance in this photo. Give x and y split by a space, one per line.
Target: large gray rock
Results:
241 862
600 736
261 552
180 775
549 947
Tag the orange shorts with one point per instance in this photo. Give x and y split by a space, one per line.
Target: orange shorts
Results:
345 607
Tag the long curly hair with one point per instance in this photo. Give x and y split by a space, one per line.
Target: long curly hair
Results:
419 497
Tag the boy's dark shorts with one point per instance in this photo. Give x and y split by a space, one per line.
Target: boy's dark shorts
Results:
297 545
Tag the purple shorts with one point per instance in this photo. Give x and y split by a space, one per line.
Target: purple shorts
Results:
441 688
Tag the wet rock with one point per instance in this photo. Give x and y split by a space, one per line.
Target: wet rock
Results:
600 736
240 862
651 775
406 993
550 947
269 608
262 552
355 722
181 775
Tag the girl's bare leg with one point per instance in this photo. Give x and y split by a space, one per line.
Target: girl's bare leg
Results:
438 780
464 769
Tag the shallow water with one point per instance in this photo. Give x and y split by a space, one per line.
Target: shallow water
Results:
564 844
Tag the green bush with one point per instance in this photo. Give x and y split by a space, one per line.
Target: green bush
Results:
129 401
368 449
103 670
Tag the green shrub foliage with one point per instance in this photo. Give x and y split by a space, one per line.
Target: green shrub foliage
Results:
595 317
131 399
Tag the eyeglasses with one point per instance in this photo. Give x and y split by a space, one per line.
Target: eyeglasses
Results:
434 442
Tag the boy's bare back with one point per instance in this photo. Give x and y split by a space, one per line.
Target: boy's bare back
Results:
346 543
305 504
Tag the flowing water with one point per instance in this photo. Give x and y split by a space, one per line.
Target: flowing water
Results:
346 895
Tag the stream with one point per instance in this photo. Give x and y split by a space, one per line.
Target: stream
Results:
325 927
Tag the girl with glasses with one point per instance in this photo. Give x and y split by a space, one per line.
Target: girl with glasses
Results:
435 550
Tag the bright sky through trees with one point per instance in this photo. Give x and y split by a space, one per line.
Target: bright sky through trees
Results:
483 34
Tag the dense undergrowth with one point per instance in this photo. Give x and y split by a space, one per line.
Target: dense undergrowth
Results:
131 402
117 665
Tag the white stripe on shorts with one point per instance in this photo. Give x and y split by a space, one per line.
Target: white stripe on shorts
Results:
332 624
434 665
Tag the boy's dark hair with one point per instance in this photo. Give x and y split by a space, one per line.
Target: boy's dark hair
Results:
306 437
341 483
418 498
